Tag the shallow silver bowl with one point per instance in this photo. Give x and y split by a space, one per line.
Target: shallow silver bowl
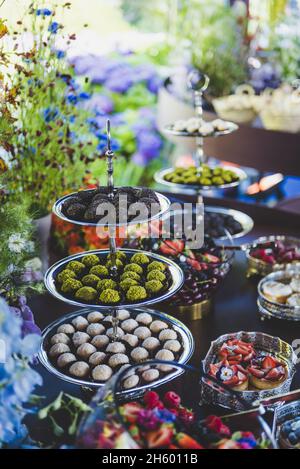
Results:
159 177
164 203
244 219
185 335
176 275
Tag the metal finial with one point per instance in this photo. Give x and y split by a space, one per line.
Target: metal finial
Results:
198 81
108 135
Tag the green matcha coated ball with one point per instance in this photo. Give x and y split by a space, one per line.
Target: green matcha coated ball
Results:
105 284
90 280
90 260
205 181
156 275
99 270
127 283
130 274
119 255
86 294
217 180
132 267
76 266
156 265
140 259
119 264
64 274
136 293
70 285
154 286
110 296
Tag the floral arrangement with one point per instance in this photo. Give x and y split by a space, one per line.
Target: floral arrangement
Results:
17 378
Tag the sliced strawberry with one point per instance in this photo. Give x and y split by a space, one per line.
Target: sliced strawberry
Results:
213 369
211 258
172 247
268 362
228 444
215 424
273 374
187 442
241 369
234 360
241 376
249 357
160 438
130 411
256 372
232 382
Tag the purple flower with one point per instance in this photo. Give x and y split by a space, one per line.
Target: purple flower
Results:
154 83
29 327
149 144
147 419
53 27
99 104
139 159
119 84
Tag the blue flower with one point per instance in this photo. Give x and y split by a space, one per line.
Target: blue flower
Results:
50 114
149 144
165 415
43 12
53 27
72 98
83 95
60 54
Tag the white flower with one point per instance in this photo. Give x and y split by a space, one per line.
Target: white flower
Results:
226 373
34 264
30 246
16 243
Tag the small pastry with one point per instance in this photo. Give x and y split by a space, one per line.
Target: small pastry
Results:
276 291
118 359
266 372
165 355
143 368
139 354
58 349
97 358
192 125
142 332
151 343
85 350
60 338
144 318
167 334
108 318
100 341
80 338
295 284
206 128
123 314
131 382
130 339
220 125
293 300
131 371
179 125
289 436
94 316
79 369
66 329
116 347
150 375
129 325
101 373
234 376
236 351
157 326
80 323
110 332
172 345
95 329
65 359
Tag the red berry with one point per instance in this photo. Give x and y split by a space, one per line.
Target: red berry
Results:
151 398
171 400
186 416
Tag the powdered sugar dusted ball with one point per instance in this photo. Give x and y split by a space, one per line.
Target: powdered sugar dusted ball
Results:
94 316
101 373
158 326
131 371
165 355
139 354
97 358
116 347
130 339
108 319
144 318
100 341
110 332
80 323
66 329
142 332
167 334
123 314
58 349
79 369
131 382
173 345
129 325
118 359
150 375
85 350
60 338
80 338
95 329
65 359
151 343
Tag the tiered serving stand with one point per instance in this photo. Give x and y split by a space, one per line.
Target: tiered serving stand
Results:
176 278
198 83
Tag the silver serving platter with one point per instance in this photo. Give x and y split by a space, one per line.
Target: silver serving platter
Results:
159 177
232 127
57 209
244 219
269 308
185 334
266 344
176 274
283 413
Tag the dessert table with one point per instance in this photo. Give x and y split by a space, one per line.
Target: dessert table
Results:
235 307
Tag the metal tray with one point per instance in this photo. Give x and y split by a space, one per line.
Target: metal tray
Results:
266 344
57 209
244 219
176 275
181 329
